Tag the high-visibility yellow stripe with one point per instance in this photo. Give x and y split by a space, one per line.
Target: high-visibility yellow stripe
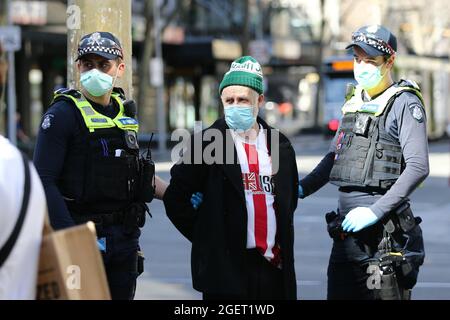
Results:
95 120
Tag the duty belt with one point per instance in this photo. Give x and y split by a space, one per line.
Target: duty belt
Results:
363 189
134 215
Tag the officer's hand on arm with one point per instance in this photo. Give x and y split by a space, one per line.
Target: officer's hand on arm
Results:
161 186
358 219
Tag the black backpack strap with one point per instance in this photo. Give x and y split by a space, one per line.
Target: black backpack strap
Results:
9 244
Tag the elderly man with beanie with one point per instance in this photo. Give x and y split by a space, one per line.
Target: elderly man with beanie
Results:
242 234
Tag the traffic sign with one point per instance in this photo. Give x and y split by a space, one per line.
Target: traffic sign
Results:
11 38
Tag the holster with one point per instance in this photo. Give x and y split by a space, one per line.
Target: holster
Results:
334 225
135 216
401 220
405 241
389 287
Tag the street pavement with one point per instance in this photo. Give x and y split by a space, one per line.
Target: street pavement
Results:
167 266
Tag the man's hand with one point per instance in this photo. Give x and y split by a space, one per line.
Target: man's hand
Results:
196 200
358 219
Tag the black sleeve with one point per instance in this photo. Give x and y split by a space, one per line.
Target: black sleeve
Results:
408 117
186 179
319 176
56 130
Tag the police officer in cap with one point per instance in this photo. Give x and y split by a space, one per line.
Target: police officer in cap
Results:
87 156
378 157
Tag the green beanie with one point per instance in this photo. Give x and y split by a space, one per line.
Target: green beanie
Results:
245 71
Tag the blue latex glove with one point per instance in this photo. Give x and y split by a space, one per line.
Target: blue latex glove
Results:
101 245
301 195
196 200
358 219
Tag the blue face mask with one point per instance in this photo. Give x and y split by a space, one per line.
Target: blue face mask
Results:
367 75
239 117
96 82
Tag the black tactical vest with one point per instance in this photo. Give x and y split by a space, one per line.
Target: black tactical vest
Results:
100 174
366 155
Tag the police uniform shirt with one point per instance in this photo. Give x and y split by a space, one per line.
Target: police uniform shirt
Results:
406 123
18 273
60 130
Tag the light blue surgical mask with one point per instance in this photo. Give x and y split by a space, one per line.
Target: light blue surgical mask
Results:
240 117
95 82
367 75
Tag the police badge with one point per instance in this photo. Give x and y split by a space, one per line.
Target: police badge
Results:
416 112
46 123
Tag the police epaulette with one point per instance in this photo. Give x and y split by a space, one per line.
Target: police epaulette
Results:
68 91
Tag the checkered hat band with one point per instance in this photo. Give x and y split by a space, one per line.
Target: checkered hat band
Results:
113 51
373 42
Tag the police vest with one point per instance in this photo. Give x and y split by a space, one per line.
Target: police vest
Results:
103 174
366 155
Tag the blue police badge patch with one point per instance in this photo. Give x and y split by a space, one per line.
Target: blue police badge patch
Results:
416 112
46 123
128 121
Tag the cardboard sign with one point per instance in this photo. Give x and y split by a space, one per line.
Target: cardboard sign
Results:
70 265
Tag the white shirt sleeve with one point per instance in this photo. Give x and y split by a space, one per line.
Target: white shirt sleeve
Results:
19 272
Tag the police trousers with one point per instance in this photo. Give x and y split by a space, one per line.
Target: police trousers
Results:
122 261
349 258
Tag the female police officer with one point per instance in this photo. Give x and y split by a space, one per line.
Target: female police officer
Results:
378 157
87 156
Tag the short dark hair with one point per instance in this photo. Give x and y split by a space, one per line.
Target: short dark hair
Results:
386 57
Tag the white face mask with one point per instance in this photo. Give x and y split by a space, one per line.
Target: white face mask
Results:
367 75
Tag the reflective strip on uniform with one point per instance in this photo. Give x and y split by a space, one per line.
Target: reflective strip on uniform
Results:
95 120
377 105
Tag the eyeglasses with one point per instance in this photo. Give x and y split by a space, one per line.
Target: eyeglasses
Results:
373 41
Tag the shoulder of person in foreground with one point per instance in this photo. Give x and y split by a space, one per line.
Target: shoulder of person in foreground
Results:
11 182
